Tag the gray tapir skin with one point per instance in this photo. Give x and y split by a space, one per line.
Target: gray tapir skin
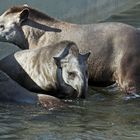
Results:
114 47
59 70
13 92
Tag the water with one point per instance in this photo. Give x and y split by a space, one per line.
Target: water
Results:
104 115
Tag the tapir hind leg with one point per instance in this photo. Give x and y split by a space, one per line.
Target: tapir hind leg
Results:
12 91
127 76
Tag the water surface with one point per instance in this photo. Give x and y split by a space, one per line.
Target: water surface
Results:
103 116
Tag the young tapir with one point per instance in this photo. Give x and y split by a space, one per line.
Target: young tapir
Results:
59 70
115 47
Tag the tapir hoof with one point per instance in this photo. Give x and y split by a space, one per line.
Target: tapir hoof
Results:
50 102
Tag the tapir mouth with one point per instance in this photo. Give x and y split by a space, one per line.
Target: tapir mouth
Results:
68 93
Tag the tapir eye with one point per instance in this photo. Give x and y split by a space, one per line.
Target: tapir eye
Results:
2 27
72 75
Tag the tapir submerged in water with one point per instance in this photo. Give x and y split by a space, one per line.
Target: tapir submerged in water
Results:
13 92
58 70
114 47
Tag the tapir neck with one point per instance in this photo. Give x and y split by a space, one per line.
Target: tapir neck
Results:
32 36
36 65
39 34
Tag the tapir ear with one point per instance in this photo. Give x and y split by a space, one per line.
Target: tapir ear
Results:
23 15
85 56
57 61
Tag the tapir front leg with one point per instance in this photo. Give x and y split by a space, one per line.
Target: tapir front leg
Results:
12 91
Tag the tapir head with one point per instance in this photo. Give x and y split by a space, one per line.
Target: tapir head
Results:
72 71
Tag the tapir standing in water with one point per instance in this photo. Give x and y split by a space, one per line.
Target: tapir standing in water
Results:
59 70
114 47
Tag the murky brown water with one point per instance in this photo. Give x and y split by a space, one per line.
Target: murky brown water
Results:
104 115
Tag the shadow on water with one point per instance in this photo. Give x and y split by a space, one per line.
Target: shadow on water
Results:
104 115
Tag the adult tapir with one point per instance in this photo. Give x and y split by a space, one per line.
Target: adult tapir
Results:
115 47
